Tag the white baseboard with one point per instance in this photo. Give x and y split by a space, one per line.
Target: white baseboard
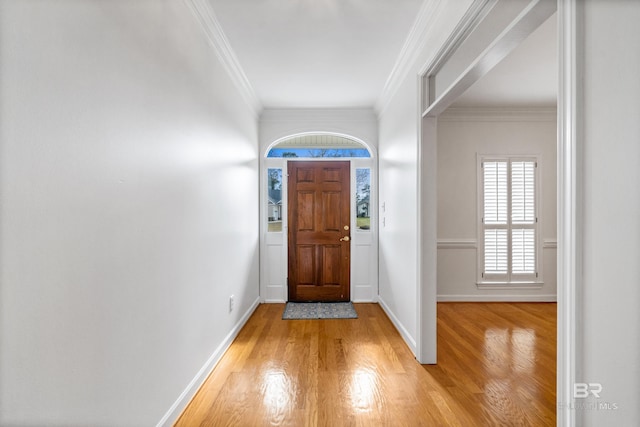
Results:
498 298
411 342
181 403
364 301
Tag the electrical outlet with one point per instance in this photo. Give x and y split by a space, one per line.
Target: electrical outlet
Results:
231 303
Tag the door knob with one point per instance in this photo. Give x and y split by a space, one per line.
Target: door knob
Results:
345 239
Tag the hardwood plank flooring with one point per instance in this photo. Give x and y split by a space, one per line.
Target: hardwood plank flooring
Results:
496 367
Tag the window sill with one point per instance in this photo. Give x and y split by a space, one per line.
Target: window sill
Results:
509 285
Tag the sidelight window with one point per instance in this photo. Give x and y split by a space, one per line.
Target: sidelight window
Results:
274 199
363 198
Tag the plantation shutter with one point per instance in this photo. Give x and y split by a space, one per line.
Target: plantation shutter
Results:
495 193
523 217
523 208
509 220
495 251
495 218
523 252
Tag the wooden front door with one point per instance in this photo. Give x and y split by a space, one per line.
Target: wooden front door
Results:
319 242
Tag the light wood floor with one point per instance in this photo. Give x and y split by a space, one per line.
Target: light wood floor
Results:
496 367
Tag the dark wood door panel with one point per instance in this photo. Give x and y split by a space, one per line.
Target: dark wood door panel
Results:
331 207
327 293
331 175
306 264
331 263
305 210
305 174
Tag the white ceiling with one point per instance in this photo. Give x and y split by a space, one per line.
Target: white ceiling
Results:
340 53
317 53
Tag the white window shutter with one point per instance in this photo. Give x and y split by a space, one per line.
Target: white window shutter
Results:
523 251
523 187
495 192
496 251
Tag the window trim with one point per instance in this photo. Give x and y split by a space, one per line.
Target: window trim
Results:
508 280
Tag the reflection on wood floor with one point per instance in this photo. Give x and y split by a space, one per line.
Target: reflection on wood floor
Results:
496 366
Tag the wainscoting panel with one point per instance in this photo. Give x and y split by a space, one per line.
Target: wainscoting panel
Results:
457 281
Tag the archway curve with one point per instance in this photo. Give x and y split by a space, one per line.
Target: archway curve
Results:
365 145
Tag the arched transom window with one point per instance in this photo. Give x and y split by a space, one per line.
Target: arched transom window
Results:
319 146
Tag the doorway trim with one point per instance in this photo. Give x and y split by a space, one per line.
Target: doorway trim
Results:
569 212
364 244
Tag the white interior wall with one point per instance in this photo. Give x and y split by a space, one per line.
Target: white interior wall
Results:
397 213
129 211
399 118
610 321
463 134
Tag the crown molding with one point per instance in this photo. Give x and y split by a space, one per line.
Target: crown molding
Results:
499 114
422 26
206 17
